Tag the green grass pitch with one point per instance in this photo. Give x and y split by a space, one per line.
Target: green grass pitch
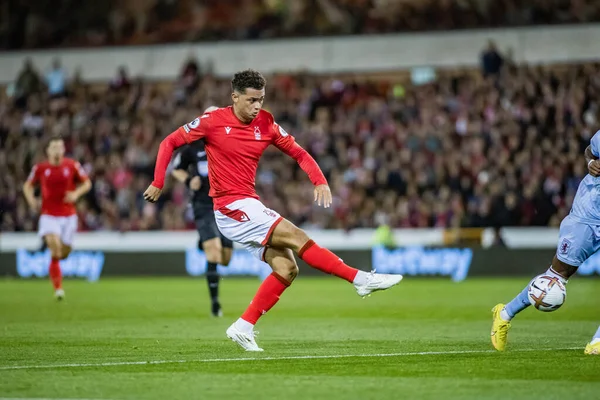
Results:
425 339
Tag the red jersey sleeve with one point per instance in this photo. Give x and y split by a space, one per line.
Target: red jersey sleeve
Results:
190 132
34 175
286 143
197 129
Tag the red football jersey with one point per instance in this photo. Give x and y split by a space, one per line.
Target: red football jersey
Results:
233 149
56 181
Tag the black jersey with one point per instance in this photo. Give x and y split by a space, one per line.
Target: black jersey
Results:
192 159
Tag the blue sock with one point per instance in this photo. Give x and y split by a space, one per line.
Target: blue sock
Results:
517 304
521 302
597 335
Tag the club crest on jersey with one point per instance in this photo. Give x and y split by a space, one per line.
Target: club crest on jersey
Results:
257 133
565 246
47 172
66 172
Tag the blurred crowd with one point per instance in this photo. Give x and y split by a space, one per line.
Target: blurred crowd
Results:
498 147
52 23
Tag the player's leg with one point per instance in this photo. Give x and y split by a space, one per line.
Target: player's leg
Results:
50 230
250 223
66 251
227 251
558 269
213 250
44 245
67 234
211 244
68 228
285 270
55 246
593 348
287 235
576 244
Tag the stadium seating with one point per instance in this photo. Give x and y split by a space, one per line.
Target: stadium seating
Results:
463 151
59 23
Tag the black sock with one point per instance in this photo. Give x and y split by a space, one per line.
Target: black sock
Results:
212 278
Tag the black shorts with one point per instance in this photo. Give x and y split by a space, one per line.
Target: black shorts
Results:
207 228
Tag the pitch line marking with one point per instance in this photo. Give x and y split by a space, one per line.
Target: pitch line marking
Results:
241 359
43 398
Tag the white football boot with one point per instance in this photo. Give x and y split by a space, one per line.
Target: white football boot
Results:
244 339
59 294
375 282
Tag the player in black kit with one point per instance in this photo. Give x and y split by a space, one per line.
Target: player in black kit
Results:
191 166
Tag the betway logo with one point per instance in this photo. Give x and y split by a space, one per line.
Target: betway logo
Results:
423 261
80 264
242 263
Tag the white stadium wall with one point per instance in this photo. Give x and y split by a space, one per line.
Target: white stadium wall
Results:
357 239
561 44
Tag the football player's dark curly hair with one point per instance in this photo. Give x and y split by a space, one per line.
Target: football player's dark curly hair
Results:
248 79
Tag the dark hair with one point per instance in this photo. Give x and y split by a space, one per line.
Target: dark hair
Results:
54 138
248 79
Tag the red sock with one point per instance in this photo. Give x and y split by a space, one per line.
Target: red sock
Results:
55 274
324 260
266 297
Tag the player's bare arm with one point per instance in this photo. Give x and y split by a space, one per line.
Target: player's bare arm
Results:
592 162
73 196
28 192
193 182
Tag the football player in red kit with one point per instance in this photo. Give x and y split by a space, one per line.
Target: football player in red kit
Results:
235 138
63 181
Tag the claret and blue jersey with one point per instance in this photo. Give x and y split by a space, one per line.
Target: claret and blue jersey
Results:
579 235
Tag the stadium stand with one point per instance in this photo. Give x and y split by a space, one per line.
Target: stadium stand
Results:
472 148
45 23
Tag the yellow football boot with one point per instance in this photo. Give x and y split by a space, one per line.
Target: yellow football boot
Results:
500 328
592 349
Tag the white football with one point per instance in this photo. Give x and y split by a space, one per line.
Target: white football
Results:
547 293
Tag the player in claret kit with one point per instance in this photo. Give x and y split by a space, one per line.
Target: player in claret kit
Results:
63 181
235 138
579 239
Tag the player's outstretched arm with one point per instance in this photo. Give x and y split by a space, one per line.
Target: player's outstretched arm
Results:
592 162
288 145
165 152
